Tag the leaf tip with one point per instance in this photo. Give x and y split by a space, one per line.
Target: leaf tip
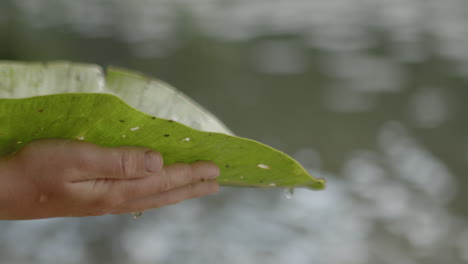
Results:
316 184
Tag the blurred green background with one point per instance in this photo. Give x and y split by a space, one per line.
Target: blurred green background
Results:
371 95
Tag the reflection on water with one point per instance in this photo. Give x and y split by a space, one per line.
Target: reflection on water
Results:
429 109
279 57
367 94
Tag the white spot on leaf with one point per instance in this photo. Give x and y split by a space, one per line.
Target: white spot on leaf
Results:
134 128
124 136
185 139
272 184
263 166
19 142
81 138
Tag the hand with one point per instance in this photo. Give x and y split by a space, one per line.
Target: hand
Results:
62 178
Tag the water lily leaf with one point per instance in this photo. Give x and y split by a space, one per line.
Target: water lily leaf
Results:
76 101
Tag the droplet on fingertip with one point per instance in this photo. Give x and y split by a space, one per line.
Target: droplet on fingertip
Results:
137 215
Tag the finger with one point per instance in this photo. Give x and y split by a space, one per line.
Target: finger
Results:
121 163
96 162
180 174
170 177
190 191
86 161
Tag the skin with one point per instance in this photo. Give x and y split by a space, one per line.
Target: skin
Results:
69 178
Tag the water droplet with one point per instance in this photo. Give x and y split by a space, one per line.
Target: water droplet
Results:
263 166
134 128
137 215
289 192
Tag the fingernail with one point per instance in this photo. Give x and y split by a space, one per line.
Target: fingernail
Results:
153 161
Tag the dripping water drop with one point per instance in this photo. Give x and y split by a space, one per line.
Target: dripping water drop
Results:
137 215
289 192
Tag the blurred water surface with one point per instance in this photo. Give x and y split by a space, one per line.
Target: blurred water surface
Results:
371 95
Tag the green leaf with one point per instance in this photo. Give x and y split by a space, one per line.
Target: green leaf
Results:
103 118
154 97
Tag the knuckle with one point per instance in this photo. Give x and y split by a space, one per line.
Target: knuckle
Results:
173 179
128 164
165 185
186 171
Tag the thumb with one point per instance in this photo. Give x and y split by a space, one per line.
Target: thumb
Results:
88 161
121 162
